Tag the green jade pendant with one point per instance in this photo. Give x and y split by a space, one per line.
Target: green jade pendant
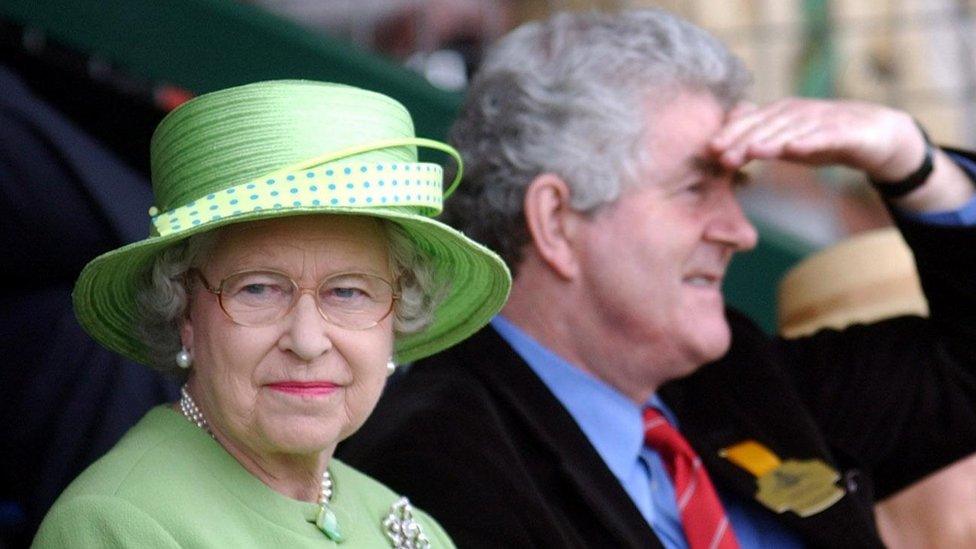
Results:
327 522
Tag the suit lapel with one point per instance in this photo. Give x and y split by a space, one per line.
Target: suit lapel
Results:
578 463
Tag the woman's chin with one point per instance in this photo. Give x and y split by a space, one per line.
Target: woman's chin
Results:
296 436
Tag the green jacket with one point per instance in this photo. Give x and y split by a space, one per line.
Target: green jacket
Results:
168 484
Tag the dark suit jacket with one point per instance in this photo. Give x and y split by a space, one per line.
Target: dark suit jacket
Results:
64 198
475 438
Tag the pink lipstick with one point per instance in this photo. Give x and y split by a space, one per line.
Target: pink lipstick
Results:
304 388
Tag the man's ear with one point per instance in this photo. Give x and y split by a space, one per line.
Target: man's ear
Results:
552 223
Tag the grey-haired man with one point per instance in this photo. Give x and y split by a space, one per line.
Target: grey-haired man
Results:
602 154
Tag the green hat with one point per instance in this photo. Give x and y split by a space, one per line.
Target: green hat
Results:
282 148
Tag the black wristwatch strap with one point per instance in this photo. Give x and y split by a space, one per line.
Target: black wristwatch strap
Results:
898 189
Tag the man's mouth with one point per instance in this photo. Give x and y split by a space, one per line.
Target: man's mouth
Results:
704 281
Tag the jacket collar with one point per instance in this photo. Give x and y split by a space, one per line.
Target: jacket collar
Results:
490 358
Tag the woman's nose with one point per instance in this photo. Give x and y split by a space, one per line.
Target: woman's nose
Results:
307 333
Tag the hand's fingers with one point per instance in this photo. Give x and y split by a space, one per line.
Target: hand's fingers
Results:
773 144
741 109
806 144
739 152
757 141
735 129
861 136
821 146
767 131
809 143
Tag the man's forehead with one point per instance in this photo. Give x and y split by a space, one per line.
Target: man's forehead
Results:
683 122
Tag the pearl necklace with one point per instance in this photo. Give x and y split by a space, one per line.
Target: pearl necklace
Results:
326 520
192 413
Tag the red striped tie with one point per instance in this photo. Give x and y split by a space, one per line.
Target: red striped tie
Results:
702 516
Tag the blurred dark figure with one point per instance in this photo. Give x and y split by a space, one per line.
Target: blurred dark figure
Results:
64 198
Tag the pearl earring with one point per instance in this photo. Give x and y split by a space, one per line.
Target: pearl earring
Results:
390 367
183 358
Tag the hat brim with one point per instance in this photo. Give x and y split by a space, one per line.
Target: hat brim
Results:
105 293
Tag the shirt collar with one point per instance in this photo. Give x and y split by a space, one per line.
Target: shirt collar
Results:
611 421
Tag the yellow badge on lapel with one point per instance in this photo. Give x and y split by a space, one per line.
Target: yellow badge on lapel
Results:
805 487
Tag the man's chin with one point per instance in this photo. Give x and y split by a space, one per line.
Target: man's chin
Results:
713 340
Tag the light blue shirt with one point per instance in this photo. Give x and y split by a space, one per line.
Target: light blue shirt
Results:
615 427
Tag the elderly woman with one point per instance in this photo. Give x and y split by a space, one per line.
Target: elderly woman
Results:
291 261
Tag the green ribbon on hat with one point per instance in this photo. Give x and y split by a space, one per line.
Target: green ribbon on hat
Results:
384 144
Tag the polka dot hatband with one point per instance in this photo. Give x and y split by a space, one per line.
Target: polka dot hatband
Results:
348 184
284 148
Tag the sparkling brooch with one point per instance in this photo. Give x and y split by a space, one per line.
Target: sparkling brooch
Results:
404 532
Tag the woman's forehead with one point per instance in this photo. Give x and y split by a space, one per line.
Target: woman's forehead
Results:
330 241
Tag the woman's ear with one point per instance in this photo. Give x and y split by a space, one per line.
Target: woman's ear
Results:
552 223
186 324
186 333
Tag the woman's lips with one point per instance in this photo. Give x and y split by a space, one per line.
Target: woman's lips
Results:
304 388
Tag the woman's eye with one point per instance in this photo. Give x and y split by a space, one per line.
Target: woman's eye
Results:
258 290
347 293
255 289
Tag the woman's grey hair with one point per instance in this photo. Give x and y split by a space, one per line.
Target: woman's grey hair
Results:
570 96
162 295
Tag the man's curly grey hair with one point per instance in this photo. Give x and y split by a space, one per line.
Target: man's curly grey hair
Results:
571 96
162 295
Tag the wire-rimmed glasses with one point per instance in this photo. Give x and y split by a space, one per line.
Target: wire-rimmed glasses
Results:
352 300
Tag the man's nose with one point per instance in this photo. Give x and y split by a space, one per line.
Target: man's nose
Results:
731 226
